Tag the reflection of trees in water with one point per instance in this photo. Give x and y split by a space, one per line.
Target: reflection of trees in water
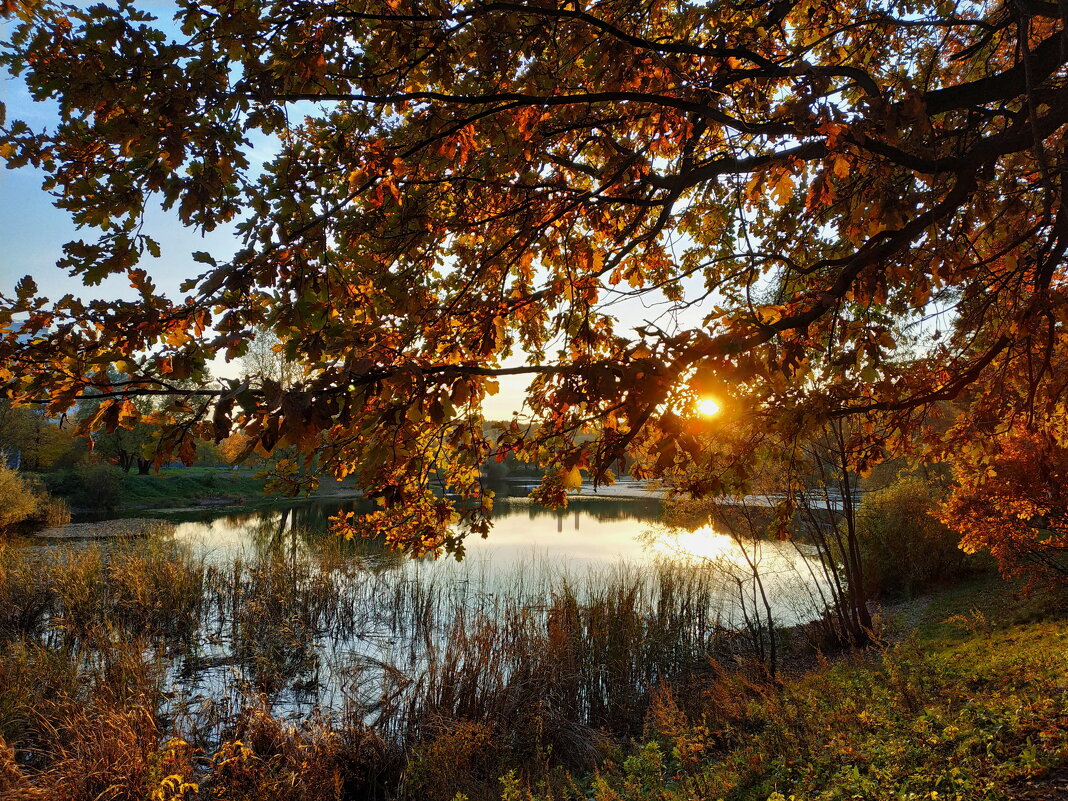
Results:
305 526
600 509
304 529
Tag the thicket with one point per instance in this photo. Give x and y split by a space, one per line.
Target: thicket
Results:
92 485
100 486
20 502
24 500
905 548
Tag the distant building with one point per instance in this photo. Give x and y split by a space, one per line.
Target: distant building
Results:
11 457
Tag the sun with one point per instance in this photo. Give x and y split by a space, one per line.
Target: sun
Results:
708 407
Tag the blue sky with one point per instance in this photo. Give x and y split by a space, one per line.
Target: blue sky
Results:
33 232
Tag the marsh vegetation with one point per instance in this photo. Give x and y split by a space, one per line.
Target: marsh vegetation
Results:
191 645
246 655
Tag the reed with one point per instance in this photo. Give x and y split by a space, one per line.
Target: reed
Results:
302 670
53 511
25 597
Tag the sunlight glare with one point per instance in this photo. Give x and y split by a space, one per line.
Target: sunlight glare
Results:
708 407
703 543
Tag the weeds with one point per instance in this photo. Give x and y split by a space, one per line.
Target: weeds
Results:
142 671
467 677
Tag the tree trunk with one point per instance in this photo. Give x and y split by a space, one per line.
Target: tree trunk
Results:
855 570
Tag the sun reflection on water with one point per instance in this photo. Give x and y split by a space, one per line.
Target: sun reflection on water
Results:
702 543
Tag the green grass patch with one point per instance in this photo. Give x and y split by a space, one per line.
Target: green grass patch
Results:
104 488
972 703
178 487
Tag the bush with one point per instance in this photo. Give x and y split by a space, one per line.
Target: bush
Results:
18 501
1011 500
95 485
904 547
460 757
102 485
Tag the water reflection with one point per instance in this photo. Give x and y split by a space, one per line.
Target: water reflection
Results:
790 572
608 530
321 622
526 537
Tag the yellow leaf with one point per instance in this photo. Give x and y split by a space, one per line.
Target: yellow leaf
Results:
572 479
783 187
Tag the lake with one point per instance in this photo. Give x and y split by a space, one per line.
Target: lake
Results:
283 611
592 534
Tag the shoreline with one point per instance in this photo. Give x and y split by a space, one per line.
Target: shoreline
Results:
115 528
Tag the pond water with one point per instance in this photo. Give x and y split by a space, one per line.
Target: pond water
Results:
590 531
591 535
288 610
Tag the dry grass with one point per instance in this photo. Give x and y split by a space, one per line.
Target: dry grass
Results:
53 511
138 670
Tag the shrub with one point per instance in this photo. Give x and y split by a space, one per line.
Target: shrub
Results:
19 501
93 485
269 760
904 547
459 757
22 491
96 485
50 511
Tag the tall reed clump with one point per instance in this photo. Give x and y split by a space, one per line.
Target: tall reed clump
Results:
514 684
52 511
81 668
157 590
26 598
418 682
273 610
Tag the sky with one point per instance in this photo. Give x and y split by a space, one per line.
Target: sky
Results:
33 232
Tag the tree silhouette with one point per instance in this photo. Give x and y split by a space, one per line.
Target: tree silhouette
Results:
836 208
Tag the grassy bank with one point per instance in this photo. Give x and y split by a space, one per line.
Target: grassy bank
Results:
176 487
103 488
970 702
145 672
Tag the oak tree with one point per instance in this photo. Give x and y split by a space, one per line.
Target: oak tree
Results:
1013 502
828 208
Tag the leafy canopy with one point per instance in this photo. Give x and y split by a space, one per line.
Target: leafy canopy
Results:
1015 505
464 190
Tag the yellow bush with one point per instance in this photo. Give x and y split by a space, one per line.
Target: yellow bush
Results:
18 501
904 547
